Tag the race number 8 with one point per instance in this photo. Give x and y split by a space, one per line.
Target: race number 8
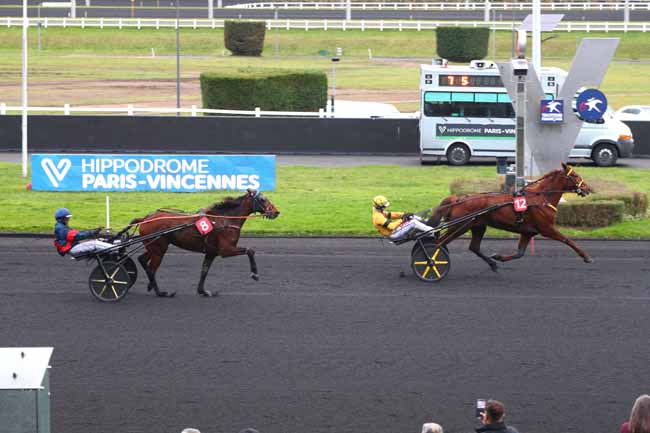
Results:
204 226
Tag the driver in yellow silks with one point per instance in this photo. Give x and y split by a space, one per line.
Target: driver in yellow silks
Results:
386 222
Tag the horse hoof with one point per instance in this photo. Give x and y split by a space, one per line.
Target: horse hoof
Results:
494 267
206 294
589 260
150 287
255 277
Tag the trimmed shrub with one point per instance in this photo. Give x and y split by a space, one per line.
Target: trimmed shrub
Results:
636 203
462 44
244 38
271 90
590 213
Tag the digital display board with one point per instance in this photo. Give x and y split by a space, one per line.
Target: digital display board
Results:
469 81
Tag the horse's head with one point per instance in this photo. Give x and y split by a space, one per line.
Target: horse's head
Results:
262 205
574 182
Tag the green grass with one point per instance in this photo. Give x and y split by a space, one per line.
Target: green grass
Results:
312 200
73 54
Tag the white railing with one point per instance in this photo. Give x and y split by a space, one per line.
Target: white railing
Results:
306 24
448 6
194 111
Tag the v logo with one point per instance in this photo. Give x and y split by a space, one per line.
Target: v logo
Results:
57 172
442 129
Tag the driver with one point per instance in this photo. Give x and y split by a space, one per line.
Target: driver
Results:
67 240
386 222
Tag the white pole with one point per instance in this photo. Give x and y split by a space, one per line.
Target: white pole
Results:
108 213
73 9
348 10
211 9
537 36
24 89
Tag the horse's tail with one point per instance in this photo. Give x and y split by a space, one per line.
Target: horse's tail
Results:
442 211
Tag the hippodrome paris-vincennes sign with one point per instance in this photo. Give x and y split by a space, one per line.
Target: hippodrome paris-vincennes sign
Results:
170 173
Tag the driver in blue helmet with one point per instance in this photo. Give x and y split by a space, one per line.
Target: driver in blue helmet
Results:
68 240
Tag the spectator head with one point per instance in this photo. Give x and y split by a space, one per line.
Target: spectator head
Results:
431 427
494 412
190 430
640 415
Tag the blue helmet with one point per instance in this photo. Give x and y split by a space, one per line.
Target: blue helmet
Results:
62 213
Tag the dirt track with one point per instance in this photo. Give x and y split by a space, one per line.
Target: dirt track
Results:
332 340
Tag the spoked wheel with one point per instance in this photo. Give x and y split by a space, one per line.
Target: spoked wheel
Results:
430 262
131 269
109 283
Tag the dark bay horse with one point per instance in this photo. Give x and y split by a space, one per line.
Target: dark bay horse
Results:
227 218
542 197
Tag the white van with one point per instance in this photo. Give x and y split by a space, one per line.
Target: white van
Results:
467 112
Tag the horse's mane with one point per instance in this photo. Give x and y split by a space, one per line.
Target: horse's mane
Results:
227 203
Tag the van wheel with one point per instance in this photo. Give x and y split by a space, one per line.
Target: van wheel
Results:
458 154
605 155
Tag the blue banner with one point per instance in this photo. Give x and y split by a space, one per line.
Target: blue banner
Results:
169 173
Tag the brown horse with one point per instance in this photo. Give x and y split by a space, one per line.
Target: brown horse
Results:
227 218
542 197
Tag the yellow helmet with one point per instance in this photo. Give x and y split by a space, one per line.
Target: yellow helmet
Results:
380 201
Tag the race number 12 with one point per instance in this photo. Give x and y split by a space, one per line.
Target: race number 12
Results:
520 204
203 225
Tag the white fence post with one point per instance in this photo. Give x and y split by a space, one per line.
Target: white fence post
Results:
129 109
83 23
321 113
3 108
101 22
66 109
325 25
257 112
139 24
381 25
363 25
419 26
400 25
193 110
119 23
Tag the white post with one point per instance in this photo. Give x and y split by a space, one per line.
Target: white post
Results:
24 90
210 9
73 9
626 14
537 36
486 11
348 10
108 213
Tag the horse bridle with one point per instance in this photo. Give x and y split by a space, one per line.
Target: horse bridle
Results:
259 206
578 185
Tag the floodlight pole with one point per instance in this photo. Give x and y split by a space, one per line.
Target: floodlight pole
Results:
24 90
537 36
178 60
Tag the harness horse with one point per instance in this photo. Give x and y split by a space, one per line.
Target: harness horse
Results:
457 215
214 231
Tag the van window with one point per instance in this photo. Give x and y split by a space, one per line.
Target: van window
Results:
468 104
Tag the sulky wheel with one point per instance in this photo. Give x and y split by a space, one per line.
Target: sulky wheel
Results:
131 269
430 263
110 283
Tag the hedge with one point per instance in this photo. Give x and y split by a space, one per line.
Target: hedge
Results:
270 90
462 44
585 213
636 203
244 38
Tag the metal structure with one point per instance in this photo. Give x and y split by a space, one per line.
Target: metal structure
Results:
548 145
25 389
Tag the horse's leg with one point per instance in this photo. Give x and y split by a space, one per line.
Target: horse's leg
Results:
207 262
524 239
475 246
144 262
552 233
236 251
156 253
